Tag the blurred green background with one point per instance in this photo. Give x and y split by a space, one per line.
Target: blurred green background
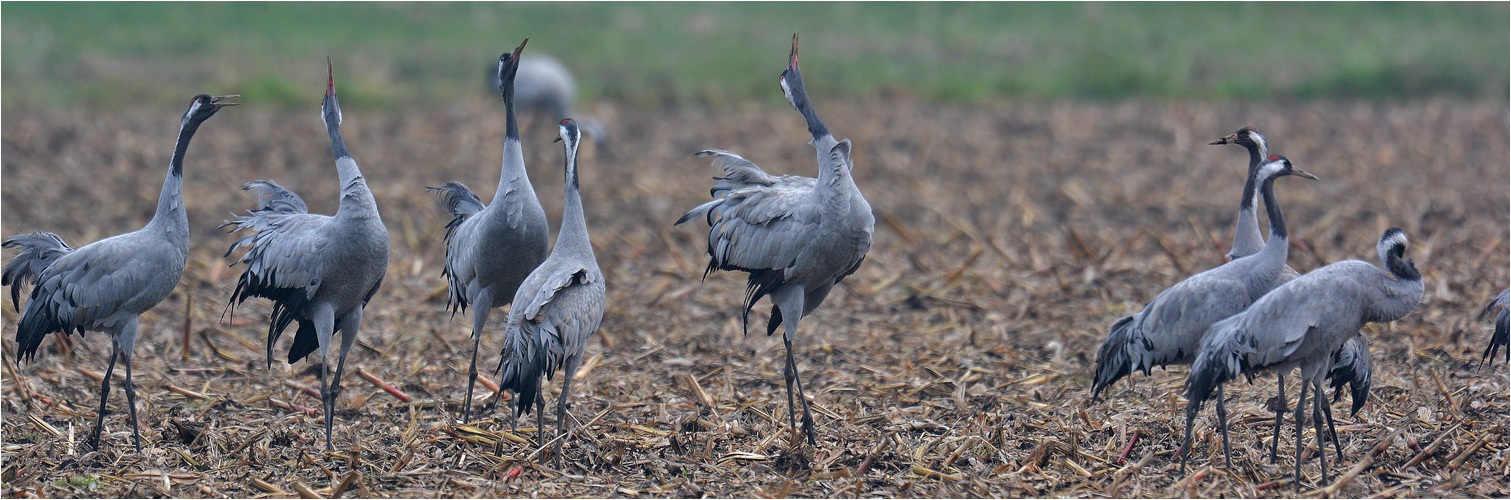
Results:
653 54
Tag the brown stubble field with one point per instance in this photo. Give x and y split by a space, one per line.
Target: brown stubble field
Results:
956 362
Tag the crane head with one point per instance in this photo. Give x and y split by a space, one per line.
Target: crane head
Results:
508 64
330 107
792 80
1279 166
203 106
1244 137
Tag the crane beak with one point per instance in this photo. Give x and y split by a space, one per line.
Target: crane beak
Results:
1229 139
520 48
558 139
218 104
792 59
1303 174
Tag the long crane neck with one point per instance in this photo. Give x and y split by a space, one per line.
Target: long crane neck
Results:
574 225
1246 236
512 169
170 202
1278 237
356 198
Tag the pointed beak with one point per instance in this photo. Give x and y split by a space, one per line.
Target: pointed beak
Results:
330 77
520 48
1303 174
558 139
1229 139
792 59
218 104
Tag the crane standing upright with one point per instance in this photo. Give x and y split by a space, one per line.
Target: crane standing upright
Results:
1300 325
104 286
796 236
320 271
490 249
556 310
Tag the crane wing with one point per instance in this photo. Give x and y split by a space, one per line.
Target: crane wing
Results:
1174 322
38 250
555 313
283 263
90 285
273 197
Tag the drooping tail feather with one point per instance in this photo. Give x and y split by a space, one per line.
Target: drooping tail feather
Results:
1352 365
1218 361
1113 358
520 367
38 250
459 201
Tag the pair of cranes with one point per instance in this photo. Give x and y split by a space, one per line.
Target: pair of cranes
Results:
1254 314
796 236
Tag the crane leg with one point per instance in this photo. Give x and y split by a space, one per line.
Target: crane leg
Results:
1332 430
481 305
126 343
563 424
1317 431
99 421
1300 404
1222 424
540 417
350 325
325 324
1277 404
1192 408
807 415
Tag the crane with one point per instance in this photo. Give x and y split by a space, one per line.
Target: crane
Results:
1353 358
1300 325
490 249
104 286
796 236
556 310
320 271
1169 329
1500 338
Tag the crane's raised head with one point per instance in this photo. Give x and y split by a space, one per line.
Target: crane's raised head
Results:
1247 137
792 80
508 65
204 106
570 135
330 107
1279 166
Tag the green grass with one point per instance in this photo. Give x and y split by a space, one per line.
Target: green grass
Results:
648 54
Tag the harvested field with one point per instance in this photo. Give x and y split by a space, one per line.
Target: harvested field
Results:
956 362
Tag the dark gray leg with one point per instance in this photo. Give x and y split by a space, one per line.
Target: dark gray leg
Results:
540 416
1192 408
1279 408
1300 403
563 425
99 421
1222 424
480 309
807 415
350 325
325 324
1332 430
136 435
1317 429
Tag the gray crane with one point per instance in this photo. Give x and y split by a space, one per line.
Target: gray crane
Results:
545 87
1500 338
1300 325
796 236
491 249
104 286
320 271
1169 329
1353 360
556 310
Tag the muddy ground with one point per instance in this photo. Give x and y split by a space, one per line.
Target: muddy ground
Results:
956 362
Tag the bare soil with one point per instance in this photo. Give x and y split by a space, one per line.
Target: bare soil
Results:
955 363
